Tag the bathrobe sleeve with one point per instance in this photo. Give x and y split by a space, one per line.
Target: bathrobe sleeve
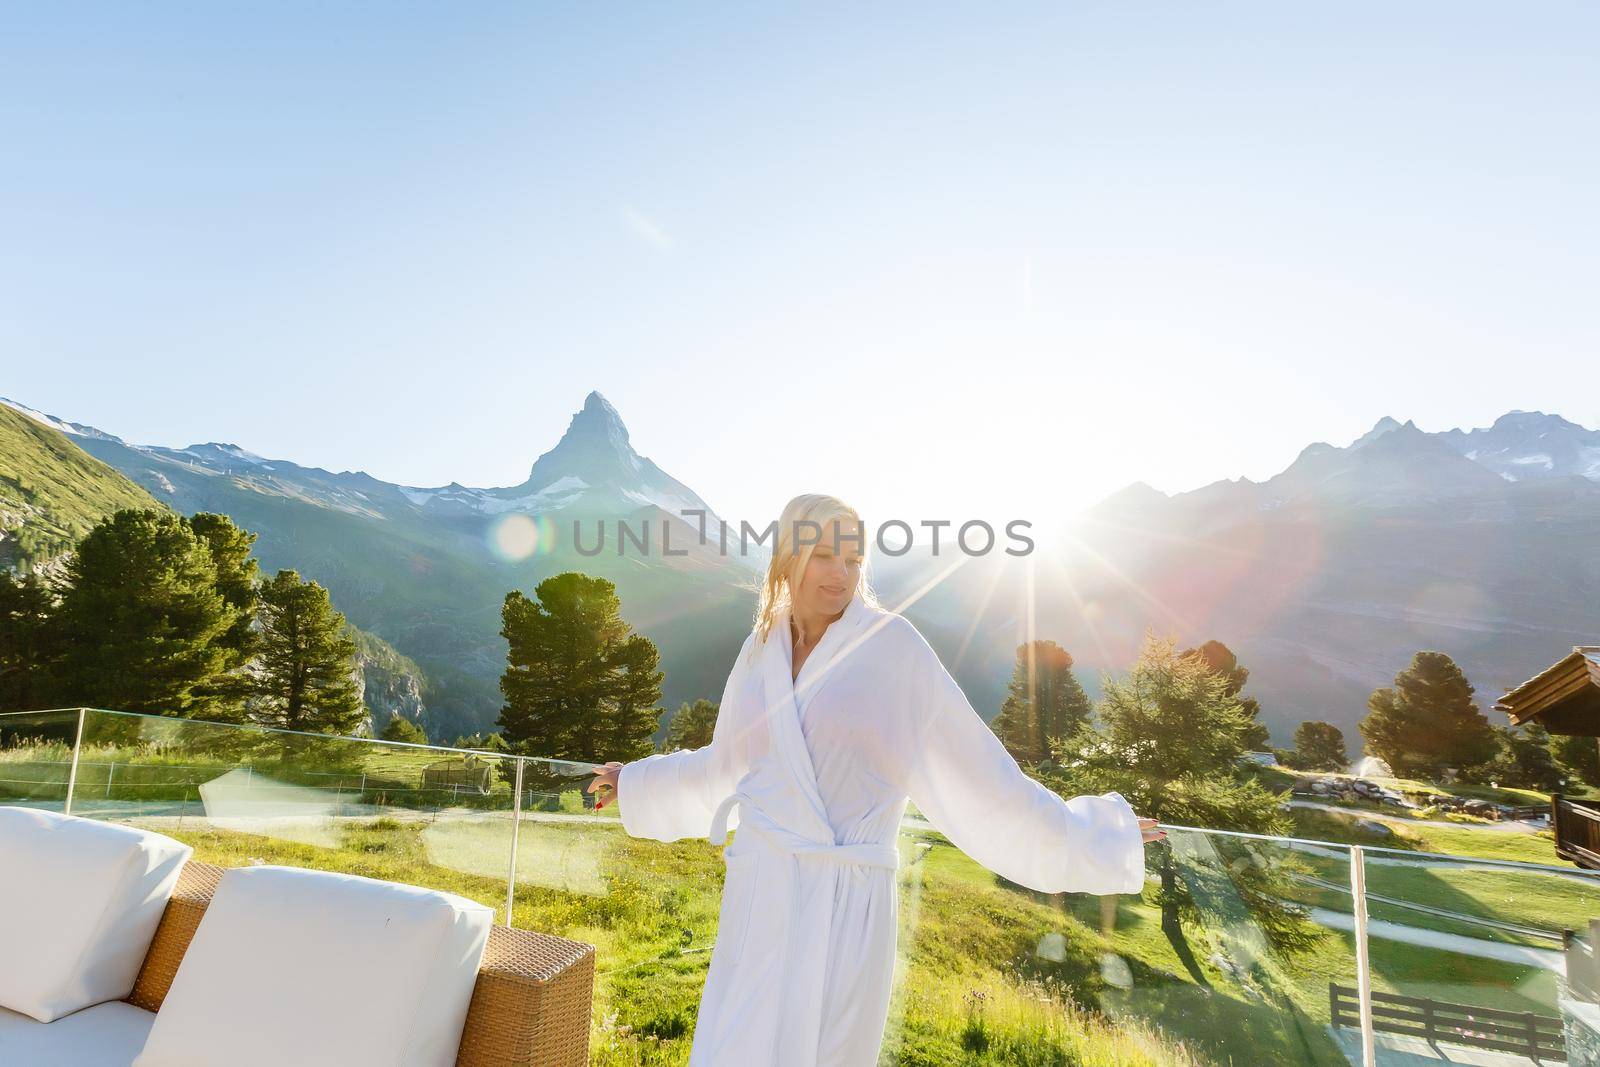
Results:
673 795
970 788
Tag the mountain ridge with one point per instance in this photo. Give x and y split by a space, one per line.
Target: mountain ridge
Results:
1324 578
1514 449
595 438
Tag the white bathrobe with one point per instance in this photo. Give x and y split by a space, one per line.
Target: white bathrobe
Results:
819 769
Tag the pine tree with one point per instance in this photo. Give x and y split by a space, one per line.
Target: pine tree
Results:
30 642
1428 721
144 626
1044 702
691 726
1220 658
1319 746
1578 758
238 575
635 708
579 684
482 742
306 673
1170 738
1524 760
1170 732
400 728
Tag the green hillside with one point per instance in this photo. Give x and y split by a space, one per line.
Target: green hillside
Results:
52 492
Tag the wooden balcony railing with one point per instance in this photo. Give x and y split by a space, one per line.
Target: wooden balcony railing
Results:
1538 1037
1577 828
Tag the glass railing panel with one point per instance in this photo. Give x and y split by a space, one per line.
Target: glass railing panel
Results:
242 794
1231 955
36 757
1478 958
649 908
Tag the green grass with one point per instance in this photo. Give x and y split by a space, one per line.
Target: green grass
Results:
1540 899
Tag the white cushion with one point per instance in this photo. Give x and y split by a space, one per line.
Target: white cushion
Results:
79 903
106 1035
313 968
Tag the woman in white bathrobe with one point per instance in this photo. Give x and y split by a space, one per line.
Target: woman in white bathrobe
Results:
835 713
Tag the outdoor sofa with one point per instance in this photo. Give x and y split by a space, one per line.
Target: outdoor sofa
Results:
117 949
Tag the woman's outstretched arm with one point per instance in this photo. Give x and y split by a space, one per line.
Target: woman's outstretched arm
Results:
668 796
962 778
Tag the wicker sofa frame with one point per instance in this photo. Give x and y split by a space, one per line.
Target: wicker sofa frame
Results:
530 1007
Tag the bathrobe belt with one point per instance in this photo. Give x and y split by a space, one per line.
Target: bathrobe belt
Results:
752 817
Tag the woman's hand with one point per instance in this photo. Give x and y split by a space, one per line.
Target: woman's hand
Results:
604 786
1151 830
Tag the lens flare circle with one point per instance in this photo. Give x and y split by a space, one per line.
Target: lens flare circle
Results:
514 538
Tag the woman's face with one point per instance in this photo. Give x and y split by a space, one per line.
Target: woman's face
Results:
830 577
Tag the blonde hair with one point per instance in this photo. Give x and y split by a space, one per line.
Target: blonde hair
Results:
789 559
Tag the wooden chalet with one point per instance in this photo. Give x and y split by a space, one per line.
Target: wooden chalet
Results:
1565 699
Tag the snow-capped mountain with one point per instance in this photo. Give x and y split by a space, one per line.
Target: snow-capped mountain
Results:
1394 464
1524 445
592 470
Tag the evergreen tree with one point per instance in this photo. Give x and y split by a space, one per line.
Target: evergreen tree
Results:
1578 758
400 728
1220 658
635 709
1170 739
579 684
1428 721
1044 702
306 673
1319 746
30 642
238 575
144 626
1524 760
1171 733
692 726
483 742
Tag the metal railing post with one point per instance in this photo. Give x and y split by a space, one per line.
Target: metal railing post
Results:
72 775
1358 894
516 827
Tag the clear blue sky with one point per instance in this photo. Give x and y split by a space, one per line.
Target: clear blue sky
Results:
935 258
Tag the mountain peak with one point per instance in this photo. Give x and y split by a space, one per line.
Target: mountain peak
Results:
597 433
594 457
598 421
596 404
1528 420
1387 424
1133 497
